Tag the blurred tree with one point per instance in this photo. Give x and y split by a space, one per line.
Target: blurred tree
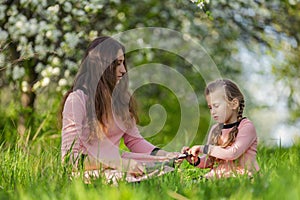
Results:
42 42
265 28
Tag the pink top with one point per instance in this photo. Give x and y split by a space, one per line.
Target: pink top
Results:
75 132
238 158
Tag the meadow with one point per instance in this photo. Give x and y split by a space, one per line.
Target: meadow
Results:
32 170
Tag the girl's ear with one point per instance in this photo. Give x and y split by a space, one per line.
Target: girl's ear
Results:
235 103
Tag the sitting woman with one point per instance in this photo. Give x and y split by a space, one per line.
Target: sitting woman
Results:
98 111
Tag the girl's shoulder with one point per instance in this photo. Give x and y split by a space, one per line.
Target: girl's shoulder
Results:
247 125
246 122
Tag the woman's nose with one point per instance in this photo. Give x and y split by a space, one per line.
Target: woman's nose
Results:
122 69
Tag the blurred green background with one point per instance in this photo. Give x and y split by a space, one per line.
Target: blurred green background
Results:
254 43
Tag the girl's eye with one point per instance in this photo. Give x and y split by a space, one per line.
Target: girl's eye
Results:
216 105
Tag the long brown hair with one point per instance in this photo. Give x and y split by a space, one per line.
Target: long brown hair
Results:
97 79
231 92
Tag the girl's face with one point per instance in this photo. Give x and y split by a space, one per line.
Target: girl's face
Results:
220 108
120 69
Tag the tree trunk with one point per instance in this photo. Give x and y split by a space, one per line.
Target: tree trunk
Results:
26 117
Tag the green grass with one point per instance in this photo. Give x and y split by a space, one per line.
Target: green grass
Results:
34 171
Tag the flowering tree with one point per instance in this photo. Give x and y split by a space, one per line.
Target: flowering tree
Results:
42 42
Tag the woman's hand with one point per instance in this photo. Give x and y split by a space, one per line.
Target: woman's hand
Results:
133 167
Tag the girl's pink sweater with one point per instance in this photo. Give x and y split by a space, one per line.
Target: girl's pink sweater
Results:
238 158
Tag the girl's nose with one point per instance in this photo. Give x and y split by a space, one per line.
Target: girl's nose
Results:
212 111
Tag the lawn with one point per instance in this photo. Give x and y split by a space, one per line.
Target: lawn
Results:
34 171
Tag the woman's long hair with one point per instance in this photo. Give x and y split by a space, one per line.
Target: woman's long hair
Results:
97 79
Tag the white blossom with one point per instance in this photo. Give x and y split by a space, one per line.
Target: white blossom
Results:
200 5
17 72
32 27
3 35
19 24
67 73
39 67
54 9
92 34
67 6
2 59
55 61
71 39
41 50
47 71
25 86
62 82
55 71
45 81
2 13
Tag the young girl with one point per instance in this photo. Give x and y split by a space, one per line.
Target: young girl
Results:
232 142
98 111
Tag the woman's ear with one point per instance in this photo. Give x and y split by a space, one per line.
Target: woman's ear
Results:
235 104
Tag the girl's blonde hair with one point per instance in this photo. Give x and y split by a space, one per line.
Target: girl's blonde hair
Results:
231 92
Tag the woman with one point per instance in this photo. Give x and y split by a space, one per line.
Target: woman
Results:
98 111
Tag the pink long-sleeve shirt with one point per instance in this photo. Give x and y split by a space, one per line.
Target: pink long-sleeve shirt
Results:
75 134
238 158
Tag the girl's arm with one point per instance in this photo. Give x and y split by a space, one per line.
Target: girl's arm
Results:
245 138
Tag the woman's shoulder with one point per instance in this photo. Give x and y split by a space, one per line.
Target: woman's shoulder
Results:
76 99
77 95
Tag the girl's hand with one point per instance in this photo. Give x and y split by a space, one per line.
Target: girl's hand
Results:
193 157
195 150
185 149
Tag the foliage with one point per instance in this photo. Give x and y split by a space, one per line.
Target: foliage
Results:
42 43
268 29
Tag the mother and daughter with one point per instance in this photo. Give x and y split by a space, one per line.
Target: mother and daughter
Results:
98 111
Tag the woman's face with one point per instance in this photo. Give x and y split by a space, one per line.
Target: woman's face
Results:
120 69
221 110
